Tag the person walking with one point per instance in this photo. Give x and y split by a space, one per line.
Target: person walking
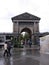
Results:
9 48
30 43
5 49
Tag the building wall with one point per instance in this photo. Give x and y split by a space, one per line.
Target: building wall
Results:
15 27
25 26
34 28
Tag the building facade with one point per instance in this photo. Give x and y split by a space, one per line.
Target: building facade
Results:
26 22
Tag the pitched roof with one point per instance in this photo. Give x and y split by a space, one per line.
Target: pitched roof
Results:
25 16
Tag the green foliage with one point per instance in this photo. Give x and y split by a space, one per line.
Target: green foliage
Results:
16 43
20 37
26 36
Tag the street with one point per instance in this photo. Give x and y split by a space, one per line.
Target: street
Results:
24 56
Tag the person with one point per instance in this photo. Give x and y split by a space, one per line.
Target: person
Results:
30 43
5 49
9 48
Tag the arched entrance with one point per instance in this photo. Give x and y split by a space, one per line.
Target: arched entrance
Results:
27 30
27 36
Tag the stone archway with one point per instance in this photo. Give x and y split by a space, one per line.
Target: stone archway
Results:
26 22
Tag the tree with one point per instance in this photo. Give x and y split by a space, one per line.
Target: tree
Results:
26 36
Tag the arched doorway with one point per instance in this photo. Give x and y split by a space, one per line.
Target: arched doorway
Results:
27 34
27 31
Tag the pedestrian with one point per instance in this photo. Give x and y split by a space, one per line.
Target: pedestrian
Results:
5 49
9 48
30 43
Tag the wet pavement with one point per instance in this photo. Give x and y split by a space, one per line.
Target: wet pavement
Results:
24 56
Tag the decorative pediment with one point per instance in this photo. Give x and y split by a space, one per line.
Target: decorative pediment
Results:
25 16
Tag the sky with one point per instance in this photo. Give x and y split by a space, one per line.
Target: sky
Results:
11 8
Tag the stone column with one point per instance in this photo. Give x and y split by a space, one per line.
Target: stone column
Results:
34 29
16 27
36 38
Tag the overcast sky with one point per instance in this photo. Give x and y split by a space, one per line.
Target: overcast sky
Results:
11 8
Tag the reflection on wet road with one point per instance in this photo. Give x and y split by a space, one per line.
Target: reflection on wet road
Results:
24 57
